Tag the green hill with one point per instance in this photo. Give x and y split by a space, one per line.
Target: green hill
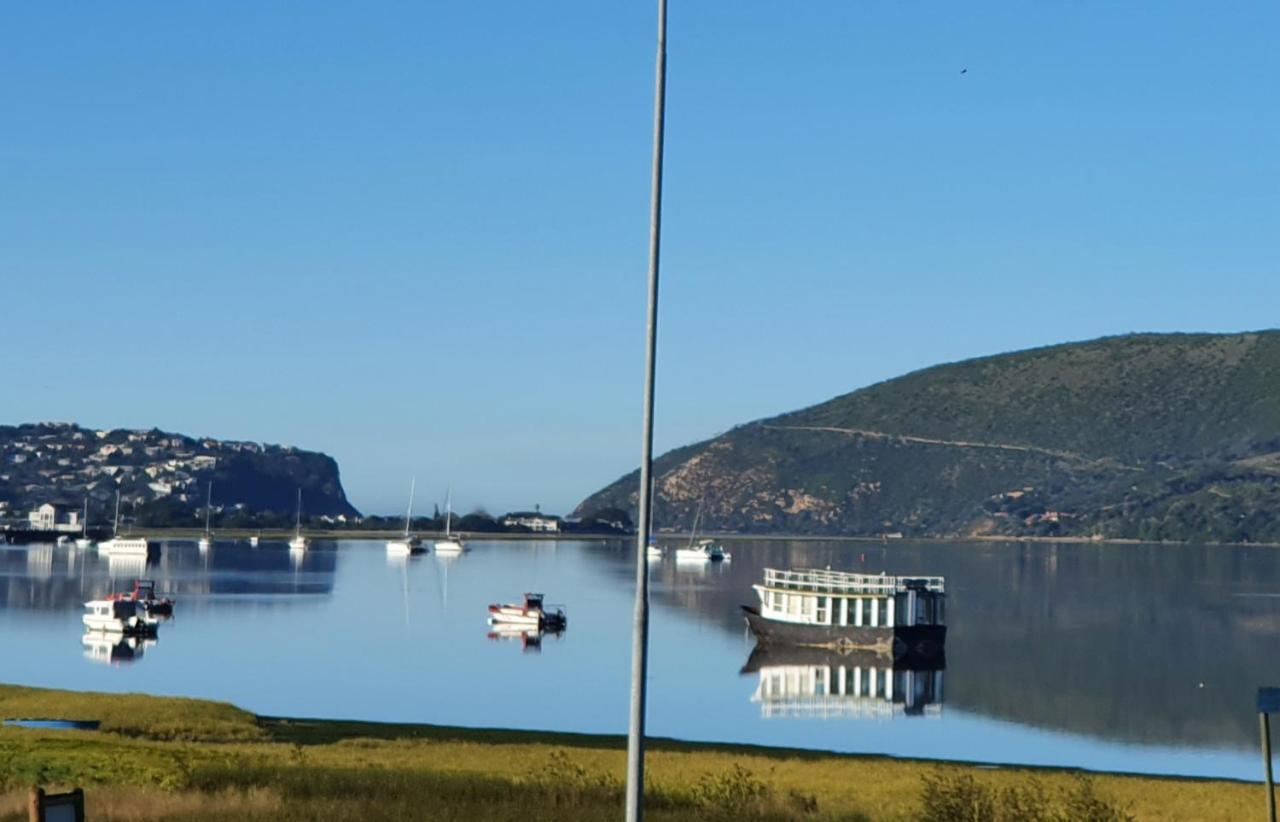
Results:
1150 436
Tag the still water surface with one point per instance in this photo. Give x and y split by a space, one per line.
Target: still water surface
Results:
1134 658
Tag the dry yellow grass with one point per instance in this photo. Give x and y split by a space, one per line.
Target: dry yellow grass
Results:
227 764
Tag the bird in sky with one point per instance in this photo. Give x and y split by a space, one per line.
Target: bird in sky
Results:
964 71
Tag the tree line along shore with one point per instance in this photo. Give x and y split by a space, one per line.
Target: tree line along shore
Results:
174 758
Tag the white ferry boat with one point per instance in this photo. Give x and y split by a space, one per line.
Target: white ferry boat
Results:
896 616
118 616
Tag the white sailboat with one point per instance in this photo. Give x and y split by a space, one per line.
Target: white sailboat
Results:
299 542
706 550
450 544
122 546
409 543
84 541
206 539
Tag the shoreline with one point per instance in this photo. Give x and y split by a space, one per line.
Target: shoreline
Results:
283 534
212 754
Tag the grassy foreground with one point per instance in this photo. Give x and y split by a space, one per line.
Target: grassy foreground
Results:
164 758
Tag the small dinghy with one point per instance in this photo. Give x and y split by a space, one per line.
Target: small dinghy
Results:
532 614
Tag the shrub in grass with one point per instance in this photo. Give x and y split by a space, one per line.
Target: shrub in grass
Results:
953 796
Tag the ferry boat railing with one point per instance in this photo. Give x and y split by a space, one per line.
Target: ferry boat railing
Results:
846 582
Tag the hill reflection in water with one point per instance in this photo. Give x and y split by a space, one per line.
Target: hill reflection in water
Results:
1152 644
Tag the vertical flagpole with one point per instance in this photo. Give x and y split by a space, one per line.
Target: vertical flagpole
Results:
640 628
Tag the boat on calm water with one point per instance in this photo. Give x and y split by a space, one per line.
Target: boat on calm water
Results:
896 616
532 614
118 616
409 543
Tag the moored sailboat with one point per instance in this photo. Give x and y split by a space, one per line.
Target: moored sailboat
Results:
705 550
450 544
409 543
206 539
83 541
123 546
299 542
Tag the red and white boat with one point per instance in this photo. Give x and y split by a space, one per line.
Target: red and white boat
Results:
144 593
533 614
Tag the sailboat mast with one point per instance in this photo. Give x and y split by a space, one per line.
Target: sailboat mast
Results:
115 526
298 524
208 504
408 518
696 518
84 523
448 512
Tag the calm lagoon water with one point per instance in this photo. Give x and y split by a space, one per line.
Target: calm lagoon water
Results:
1133 658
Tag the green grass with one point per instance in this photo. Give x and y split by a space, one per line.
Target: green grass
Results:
158 758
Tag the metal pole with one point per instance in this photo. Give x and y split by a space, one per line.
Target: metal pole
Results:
1265 719
640 628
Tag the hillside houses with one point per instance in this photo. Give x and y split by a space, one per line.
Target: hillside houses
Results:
58 463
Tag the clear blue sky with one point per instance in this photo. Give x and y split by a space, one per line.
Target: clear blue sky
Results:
413 235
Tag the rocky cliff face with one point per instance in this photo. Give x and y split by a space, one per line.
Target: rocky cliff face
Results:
1144 436
64 463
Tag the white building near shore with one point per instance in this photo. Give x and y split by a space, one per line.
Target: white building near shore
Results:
48 518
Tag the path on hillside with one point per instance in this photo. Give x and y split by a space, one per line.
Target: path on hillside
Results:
997 446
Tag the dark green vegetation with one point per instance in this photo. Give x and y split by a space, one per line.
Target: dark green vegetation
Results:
1152 437
186 759
162 477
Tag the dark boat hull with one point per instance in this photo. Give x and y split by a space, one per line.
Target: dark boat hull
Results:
907 643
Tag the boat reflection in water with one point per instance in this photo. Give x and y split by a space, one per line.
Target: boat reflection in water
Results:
126 566
530 639
114 649
817 683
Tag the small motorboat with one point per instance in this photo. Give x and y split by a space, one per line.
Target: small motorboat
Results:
144 593
118 616
254 540
653 551
63 541
532 614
